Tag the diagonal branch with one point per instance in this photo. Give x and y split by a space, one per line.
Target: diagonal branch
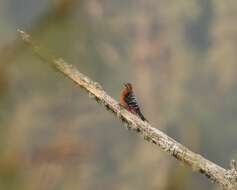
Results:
226 179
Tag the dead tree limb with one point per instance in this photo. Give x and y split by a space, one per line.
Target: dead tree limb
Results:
225 179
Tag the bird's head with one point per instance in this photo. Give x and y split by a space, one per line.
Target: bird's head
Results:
128 86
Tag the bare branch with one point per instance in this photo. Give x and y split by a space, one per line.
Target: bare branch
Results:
226 179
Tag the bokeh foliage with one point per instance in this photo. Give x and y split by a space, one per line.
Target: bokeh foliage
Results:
180 56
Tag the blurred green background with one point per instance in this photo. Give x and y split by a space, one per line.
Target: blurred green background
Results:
180 56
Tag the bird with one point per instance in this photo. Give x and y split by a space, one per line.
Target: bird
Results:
128 100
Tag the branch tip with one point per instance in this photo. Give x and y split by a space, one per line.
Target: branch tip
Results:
25 37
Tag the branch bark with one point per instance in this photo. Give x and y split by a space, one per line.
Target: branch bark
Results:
225 179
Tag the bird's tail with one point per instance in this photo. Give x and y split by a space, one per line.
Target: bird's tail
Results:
141 116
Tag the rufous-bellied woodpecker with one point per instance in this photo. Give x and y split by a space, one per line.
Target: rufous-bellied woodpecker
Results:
129 101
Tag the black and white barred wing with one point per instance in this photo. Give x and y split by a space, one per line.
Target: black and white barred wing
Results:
131 101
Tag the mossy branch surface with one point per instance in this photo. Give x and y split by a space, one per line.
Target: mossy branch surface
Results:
225 179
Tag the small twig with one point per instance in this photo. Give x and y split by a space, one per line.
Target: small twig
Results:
233 165
214 172
231 174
